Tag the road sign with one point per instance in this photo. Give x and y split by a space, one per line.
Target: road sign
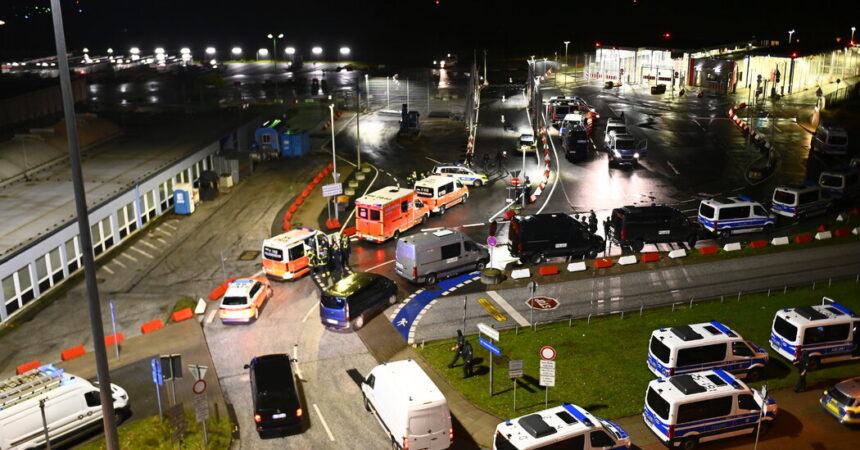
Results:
330 190
542 303
492 241
547 381
198 371
489 346
547 373
201 407
488 331
532 287
157 376
171 366
199 387
547 353
515 368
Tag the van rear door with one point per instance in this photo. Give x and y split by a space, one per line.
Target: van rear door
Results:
429 427
406 262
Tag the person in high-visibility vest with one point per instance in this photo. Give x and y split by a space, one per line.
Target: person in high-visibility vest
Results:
345 250
334 252
313 261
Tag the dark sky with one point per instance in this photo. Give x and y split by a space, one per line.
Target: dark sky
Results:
417 30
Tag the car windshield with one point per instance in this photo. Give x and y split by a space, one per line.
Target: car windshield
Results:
783 197
234 301
274 254
625 144
608 428
330 301
659 349
424 191
831 181
618 129
657 403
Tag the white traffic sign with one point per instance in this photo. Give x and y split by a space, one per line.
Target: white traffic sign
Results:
547 373
198 371
199 387
547 353
201 407
488 331
547 381
515 368
330 190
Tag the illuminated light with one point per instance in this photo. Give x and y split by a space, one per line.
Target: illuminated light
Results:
236 50
316 50
159 51
667 35
793 55
213 61
134 51
257 418
290 50
263 52
110 51
344 51
2 22
210 50
185 51
86 50
597 44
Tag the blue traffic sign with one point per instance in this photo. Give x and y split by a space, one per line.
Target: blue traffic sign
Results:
157 378
489 346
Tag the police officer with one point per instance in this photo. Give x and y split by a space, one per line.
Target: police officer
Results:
802 367
335 258
457 349
606 236
345 250
467 359
592 222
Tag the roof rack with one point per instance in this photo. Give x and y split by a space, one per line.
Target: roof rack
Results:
686 333
29 384
809 313
535 426
687 384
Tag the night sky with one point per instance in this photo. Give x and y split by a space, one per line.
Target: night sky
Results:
413 31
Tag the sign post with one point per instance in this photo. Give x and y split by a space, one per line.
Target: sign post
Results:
494 335
761 415
171 365
532 289
515 370
547 371
158 381
201 401
113 324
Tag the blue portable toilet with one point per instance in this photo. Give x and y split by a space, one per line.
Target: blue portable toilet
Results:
184 198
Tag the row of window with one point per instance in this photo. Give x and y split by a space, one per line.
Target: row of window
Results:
47 270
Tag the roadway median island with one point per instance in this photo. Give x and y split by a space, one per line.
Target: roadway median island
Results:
602 362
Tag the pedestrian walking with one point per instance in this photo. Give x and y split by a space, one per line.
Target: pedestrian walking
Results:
468 361
802 367
592 222
606 236
499 160
485 161
457 349
345 250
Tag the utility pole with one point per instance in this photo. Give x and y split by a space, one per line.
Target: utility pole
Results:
108 416
567 67
357 130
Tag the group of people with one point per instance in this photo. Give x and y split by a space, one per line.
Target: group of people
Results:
413 177
327 255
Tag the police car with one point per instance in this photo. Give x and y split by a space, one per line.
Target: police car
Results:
701 346
726 216
243 300
843 401
462 173
827 333
799 201
614 126
565 426
527 143
685 410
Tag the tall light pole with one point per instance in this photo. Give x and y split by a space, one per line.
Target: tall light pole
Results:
93 306
790 32
567 70
334 174
367 93
274 39
852 34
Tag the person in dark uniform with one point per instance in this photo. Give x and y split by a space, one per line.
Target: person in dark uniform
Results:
467 359
457 349
802 367
345 249
312 260
335 258
607 241
592 222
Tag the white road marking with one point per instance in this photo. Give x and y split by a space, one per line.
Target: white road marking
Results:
169 225
161 240
508 308
689 210
325 425
673 167
379 265
141 252
315 307
434 160
257 274
211 316
120 263
107 269
148 245
159 230
130 257
472 225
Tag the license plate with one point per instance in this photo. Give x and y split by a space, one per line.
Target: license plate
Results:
331 321
279 416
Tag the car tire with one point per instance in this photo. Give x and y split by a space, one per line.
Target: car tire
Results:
256 313
425 218
689 443
358 322
814 363
478 183
691 241
480 265
270 292
768 229
463 199
637 245
442 210
396 234
725 234
754 375
430 279
591 254
393 299
764 427
537 258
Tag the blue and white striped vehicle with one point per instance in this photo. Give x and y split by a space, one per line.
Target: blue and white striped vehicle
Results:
565 426
727 216
798 201
684 410
703 346
462 173
827 333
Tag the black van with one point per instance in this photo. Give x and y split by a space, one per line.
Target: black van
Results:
277 405
633 226
575 143
353 300
535 237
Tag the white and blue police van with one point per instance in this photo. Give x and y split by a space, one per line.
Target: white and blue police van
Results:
798 201
841 183
702 346
565 426
684 410
827 333
830 139
726 216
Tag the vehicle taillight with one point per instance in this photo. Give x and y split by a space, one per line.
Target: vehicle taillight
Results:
257 418
451 434
414 271
671 431
346 310
406 443
797 352
520 247
299 412
716 225
671 371
624 233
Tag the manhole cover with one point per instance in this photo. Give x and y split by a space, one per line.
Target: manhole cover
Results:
249 255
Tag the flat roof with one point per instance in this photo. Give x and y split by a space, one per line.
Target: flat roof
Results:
30 210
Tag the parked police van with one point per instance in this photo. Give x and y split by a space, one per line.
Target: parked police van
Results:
560 427
841 183
685 410
428 256
72 407
830 139
726 216
535 237
828 333
703 346
799 201
634 226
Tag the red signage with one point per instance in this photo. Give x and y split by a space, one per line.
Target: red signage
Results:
542 303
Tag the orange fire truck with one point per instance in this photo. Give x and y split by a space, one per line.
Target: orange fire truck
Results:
384 214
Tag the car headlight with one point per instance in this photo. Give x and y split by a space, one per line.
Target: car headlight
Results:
636 155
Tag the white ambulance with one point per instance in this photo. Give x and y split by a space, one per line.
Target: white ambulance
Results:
285 255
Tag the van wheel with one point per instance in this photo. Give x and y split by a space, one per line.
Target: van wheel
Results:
754 375
689 443
366 402
478 183
814 363
464 198
430 279
764 427
637 245
393 299
358 323
725 234
425 218
537 258
396 234
691 240
480 265
442 210
592 253
768 229
394 444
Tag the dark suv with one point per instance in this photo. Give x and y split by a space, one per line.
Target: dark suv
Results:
355 299
631 227
535 237
277 405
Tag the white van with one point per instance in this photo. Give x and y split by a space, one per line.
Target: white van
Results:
72 406
830 139
560 427
441 193
843 183
685 410
702 346
726 216
410 408
799 201
828 333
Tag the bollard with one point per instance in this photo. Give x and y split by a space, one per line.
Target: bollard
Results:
768 292
691 302
673 307
640 310
813 285
588 322
739 295
784 288
517 330
422 343
570 321
721 299
829 281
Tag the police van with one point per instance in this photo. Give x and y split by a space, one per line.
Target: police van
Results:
726 216
565 426
703 346
828 333
842 183
685 410
799 201
830 139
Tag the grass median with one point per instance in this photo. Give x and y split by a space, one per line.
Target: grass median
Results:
601 365
152 433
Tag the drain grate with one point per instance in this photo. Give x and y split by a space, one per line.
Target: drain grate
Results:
249 255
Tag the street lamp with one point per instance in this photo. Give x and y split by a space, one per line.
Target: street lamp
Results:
236 51
274 39
790 32
290 51
852 34
316 51
264 52
567 71
135 53
210 51
344 51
